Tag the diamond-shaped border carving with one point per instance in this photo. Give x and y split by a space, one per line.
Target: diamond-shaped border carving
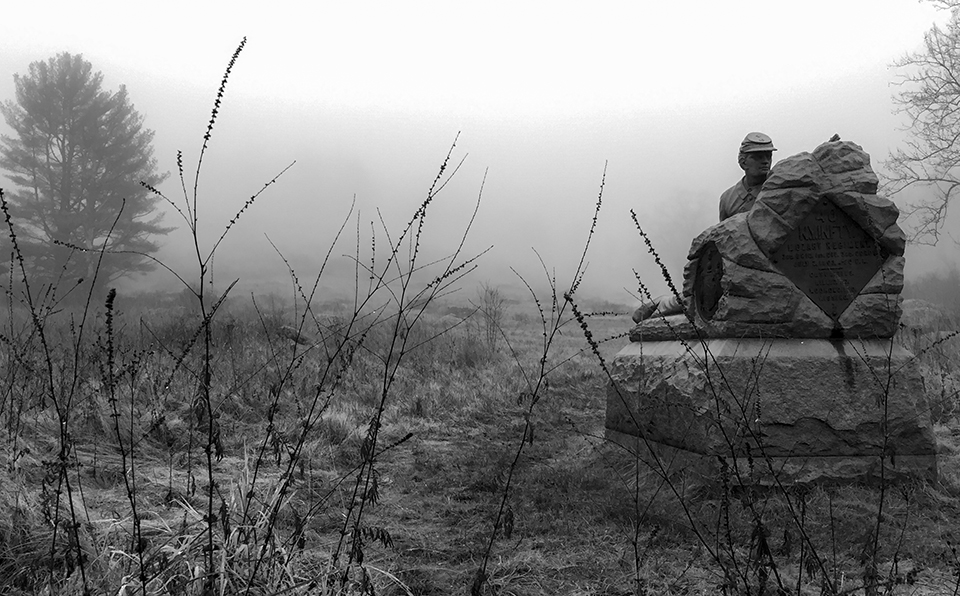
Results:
829 257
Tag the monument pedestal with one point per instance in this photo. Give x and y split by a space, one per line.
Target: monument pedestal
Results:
780 410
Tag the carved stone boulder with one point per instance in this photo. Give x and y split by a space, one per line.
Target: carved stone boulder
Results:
819 255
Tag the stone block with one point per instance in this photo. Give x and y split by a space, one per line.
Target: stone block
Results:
774 471
660 328
756 283
755 310
768 229
802 401
735 243
809 320
888 280
784 200
893 240
859 182
839 157
871 315
874 214
797 171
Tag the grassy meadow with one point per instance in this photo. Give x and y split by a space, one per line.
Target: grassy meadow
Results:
353 455
410 440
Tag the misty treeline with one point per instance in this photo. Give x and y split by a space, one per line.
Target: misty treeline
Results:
81 164
937 287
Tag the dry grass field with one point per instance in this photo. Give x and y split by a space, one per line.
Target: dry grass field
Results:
489 455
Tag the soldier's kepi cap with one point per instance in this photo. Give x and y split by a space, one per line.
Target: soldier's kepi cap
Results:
756 141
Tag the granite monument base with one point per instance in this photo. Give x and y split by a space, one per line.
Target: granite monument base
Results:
773 411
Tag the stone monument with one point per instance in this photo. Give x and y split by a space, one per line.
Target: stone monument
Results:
783 367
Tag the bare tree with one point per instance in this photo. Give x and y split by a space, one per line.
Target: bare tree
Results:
930 98
491 305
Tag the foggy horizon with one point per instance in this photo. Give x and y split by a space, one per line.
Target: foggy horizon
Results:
543 98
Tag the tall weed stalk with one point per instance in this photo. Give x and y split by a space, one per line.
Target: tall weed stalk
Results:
553 315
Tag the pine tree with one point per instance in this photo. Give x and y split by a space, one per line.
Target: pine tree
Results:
77 160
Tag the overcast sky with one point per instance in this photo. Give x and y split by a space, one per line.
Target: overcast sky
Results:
367 97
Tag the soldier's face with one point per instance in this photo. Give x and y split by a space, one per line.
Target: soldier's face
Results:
756 164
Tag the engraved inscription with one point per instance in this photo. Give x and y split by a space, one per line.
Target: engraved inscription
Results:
829 257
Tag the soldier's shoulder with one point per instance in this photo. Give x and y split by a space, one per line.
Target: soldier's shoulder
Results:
736 189
732 193
730 198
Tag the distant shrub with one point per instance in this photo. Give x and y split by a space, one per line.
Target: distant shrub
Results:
470 352
937 287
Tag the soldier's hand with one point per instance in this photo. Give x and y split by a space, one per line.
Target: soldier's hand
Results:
645 310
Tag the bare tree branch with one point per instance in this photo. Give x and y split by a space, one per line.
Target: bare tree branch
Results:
930 98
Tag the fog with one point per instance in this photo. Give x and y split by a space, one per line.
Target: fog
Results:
541 99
